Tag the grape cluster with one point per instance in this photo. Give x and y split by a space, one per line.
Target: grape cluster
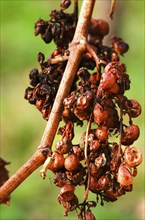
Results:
103 166
44 84
60 26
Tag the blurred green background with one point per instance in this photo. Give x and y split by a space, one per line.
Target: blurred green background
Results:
22 125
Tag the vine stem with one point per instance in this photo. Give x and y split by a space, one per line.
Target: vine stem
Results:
120 137
93 51
86 157
76 49
113 4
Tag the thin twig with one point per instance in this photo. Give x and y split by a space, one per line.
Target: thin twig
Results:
112 9
58 59
93 51
120 131
86 157
76 10
76 49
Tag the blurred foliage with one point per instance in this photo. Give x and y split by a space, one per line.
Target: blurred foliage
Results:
22 125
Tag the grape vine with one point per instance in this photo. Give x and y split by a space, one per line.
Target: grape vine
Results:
97 97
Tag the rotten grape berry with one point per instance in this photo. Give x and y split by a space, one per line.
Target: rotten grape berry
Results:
124 177
132 156
71 162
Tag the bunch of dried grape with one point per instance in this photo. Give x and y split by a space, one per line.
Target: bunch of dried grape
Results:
102 166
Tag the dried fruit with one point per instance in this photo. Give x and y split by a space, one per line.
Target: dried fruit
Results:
100 115
67 192
134 108
102 134
58 162
130 134
119 45
132 156
98 27
4 176
71 162
124 177
89 215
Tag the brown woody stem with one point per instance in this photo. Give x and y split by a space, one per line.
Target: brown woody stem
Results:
76 49
93 51
112 10
29 167
120 138
86 157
